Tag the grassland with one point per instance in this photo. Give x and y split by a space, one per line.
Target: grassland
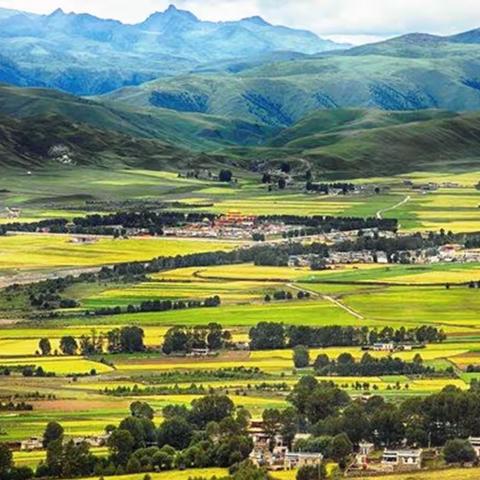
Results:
373 296
453 474
31 252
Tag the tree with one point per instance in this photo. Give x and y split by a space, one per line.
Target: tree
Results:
175 341
54 458
211 408
340 449
225 176
301 357
271 422
322 361
6 460
53 431
45 346
121 444
133 465
68 345
312 472
267 336
176 432
458 451
142 410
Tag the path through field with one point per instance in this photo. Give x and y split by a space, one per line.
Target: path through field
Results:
380 213
330 299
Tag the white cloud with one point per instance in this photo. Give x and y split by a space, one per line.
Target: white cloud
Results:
340 19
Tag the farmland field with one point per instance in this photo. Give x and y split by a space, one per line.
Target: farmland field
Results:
79 389
29 252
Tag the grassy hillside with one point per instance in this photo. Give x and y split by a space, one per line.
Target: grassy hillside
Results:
42 139
190 130
397 75
334 141
372 142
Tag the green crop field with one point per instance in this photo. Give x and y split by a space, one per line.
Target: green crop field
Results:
349 295
28 252
453 474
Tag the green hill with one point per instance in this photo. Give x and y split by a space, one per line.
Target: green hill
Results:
338 142
373 142
51 140
402 74
194 131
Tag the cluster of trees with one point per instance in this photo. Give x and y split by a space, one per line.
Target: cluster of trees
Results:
212 432
323 409
232 373
157 306
328 223
185 339
286 295
225 176
269 335
32 371
15 407
46 295
125 391
345 365
394 246
109 224
119 340
326 187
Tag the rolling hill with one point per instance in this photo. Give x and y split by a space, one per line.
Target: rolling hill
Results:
414 72
191 130
335 142
356 143
86 55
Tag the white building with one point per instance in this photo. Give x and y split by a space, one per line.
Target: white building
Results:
402 459
300 459
475 443
33 443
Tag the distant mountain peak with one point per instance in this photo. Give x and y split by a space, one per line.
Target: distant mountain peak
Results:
257 20
172 12
58 12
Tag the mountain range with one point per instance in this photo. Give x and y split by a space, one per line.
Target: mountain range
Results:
245 94
85 55
408 73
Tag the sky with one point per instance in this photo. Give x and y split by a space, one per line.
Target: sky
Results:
354 21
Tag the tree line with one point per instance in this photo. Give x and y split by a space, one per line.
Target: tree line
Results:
273 336
183 340
156 306
346 366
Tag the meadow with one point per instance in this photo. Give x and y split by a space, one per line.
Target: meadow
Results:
34 252
355 295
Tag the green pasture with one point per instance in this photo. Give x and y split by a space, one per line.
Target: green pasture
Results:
28 252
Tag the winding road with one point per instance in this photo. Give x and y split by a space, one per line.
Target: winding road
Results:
380 213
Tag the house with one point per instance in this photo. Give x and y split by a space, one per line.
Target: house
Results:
383 347
475 443
382 258
403 460
33 443
364 450
96 441
199 352
300 459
